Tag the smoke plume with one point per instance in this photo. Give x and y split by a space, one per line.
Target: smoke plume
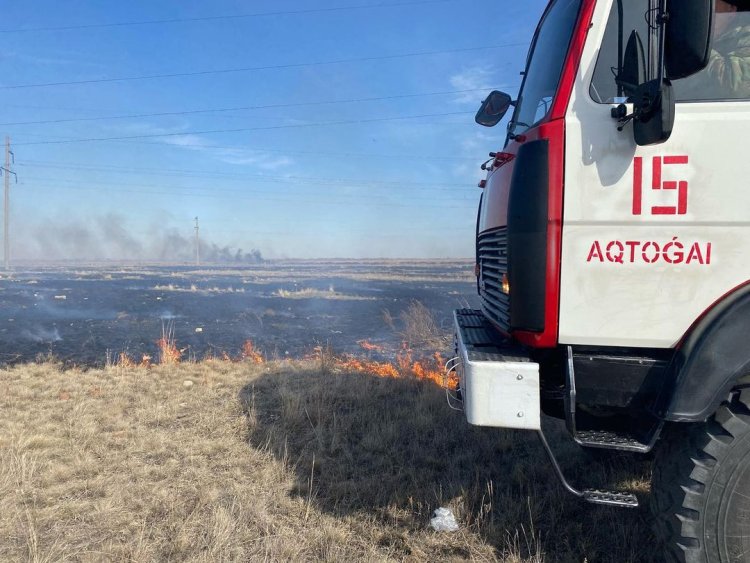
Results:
109 238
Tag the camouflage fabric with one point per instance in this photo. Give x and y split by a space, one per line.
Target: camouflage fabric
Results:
729 63
727 75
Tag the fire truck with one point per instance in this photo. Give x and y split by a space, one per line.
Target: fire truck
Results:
613 257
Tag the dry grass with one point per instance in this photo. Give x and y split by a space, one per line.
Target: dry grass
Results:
169 354
195 289
312 293
280 461
417 327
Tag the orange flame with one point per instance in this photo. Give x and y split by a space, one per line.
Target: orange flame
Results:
404 367
125 361
168 352
369 346
381 369
249 353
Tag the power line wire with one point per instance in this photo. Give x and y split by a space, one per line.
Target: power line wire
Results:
239 152
257 68
223 17
317 180
437 230
358 202
242 108
245 129
288 152
309 180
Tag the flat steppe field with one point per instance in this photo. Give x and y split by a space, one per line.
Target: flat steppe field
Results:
321 439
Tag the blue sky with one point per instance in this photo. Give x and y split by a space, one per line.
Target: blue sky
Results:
357 177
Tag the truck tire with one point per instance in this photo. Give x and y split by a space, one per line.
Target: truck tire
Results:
700 489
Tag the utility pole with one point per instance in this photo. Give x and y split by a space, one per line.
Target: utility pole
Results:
197 244
9 157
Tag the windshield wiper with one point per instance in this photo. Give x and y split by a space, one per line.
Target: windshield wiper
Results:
512 125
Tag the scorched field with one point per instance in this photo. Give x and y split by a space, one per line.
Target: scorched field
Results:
94 315
282 412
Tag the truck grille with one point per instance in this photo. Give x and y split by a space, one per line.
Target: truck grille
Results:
493 263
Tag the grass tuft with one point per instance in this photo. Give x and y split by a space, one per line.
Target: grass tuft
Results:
169 354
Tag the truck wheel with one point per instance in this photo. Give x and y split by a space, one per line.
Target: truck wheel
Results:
700 489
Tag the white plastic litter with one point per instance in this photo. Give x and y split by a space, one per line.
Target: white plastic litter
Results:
444 521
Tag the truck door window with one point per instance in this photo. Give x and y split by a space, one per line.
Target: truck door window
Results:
727 76
624 18
544 64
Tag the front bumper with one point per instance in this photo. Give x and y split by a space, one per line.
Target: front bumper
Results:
499 383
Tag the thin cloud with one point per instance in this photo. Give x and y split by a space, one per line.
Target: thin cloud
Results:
263 161
473 78
478 143
187 141
237 156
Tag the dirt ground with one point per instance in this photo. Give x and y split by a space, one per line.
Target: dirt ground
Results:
81 315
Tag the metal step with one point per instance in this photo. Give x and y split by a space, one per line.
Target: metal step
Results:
610 440
621 499
610 498
483 342
604 438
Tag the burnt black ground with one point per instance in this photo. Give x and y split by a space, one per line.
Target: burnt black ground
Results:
78 314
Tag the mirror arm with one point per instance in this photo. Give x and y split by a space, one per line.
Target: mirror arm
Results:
662 17
620 113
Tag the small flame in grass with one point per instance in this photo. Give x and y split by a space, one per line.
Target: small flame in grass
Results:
168 352
381 369
249 353
405 366
125 361
369 346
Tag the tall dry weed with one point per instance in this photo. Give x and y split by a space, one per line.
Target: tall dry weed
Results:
420 329
169 354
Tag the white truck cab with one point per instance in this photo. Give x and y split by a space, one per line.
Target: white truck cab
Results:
613 255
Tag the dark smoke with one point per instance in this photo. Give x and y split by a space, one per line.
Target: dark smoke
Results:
174 246
109 238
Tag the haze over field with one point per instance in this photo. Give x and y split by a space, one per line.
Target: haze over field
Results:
334 129
88 315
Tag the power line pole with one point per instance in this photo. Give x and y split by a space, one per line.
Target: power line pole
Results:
9 157
197 244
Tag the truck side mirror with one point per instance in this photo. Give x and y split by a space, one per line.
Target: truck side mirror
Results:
633 71
687 39
493 108
654 108
653 101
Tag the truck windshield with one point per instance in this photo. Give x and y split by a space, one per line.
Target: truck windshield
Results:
544 65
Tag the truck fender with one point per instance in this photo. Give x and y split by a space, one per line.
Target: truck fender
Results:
714 355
